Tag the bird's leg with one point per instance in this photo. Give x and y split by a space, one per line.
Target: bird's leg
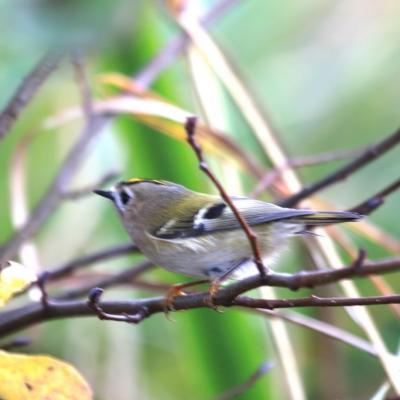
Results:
213 289
217 282
177 290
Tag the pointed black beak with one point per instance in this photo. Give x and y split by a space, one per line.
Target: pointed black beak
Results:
105 193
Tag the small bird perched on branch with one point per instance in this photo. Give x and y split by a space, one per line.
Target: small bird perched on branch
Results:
198 235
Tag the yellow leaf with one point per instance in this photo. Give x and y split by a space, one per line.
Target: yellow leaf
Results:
13 279
40 378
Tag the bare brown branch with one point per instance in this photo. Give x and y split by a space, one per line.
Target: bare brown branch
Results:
88 190
372 153
83 84
137 310
303 161
27 89
324 328
227 296
125 276
315 301
59 185
375 201
176 45
102 255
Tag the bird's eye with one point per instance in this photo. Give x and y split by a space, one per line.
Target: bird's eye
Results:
124 198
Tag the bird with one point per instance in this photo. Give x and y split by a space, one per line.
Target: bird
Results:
197 234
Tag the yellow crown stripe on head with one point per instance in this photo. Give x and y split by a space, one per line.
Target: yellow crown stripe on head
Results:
133 181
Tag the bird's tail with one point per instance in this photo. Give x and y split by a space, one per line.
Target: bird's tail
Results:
327 217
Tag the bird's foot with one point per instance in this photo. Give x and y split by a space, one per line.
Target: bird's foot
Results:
209 300
176 291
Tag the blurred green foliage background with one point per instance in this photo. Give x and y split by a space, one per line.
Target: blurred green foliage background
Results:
327 75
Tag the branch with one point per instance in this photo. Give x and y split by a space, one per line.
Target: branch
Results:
302 161
308 279
102 255
27 315
315 301
328 156
125 276
324 328
375 201
190 128
301 279
83 83
137 310
54 273
93 304
88 190
59 185
176 45
369 155
27 90
16 343
236 391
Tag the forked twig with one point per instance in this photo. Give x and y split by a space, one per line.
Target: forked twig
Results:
93 303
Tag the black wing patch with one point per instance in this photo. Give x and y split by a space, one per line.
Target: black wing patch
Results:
214 211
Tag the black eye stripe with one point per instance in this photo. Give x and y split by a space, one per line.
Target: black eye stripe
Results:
124 197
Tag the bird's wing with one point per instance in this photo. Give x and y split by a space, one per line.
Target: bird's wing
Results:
219 217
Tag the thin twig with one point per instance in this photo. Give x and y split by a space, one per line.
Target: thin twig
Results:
369 155
102 255
125 276
328 156
177 44
27 90
54 273
190 128
41 284
59 185
19 204
321 327
16 343
93 304
303 161
236 391
375 201
83 192
83 83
